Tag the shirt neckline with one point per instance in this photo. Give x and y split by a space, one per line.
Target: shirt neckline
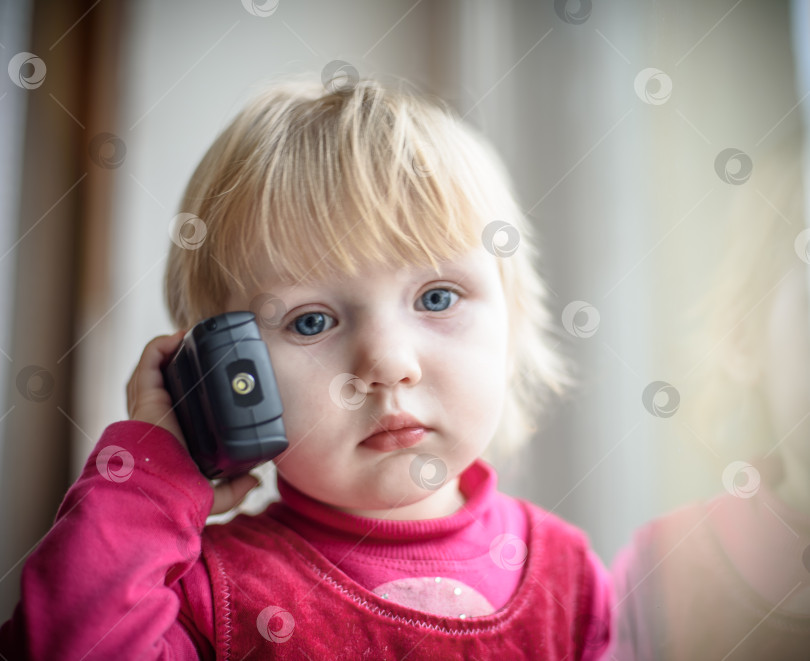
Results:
477 484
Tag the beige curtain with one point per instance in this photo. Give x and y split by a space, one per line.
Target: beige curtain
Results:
56 254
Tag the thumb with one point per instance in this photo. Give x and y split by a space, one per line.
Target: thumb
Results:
228 495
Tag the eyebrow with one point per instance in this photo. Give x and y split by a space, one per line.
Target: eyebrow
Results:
445 269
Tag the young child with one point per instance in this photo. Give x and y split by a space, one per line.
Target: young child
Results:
365 228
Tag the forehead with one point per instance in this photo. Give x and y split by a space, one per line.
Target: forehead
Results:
473 268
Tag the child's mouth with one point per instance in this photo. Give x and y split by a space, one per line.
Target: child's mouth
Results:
390 440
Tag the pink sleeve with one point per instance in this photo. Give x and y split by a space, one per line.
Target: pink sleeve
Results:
598 635
103 583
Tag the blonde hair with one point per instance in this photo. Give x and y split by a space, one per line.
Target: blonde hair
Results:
766 215
317 183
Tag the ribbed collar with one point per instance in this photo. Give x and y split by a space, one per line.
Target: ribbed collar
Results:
477 484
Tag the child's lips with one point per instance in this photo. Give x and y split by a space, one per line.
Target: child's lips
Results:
394 431
390 440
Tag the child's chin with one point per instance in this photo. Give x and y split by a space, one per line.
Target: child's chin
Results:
393 500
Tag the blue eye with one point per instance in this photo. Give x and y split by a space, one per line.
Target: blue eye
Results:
313 323
436 300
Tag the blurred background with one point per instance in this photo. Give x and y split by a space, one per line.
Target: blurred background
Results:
628 127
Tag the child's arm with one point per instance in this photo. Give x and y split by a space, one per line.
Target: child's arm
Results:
103 583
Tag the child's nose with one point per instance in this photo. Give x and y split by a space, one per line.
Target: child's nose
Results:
386 357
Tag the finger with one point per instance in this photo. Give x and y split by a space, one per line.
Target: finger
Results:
228 495
131 396
147 372
159 349
132 391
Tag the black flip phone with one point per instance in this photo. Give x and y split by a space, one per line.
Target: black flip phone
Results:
225 395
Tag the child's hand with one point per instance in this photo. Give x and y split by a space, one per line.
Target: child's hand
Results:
149 401
147 398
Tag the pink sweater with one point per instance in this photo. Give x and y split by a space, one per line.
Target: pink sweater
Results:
728 578
126 571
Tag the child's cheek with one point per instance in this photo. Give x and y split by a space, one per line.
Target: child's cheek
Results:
481 325
299 381
474 353
470 322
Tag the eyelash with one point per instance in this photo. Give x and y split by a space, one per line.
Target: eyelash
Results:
455 296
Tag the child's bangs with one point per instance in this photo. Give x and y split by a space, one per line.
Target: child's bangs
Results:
358 179
306 185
